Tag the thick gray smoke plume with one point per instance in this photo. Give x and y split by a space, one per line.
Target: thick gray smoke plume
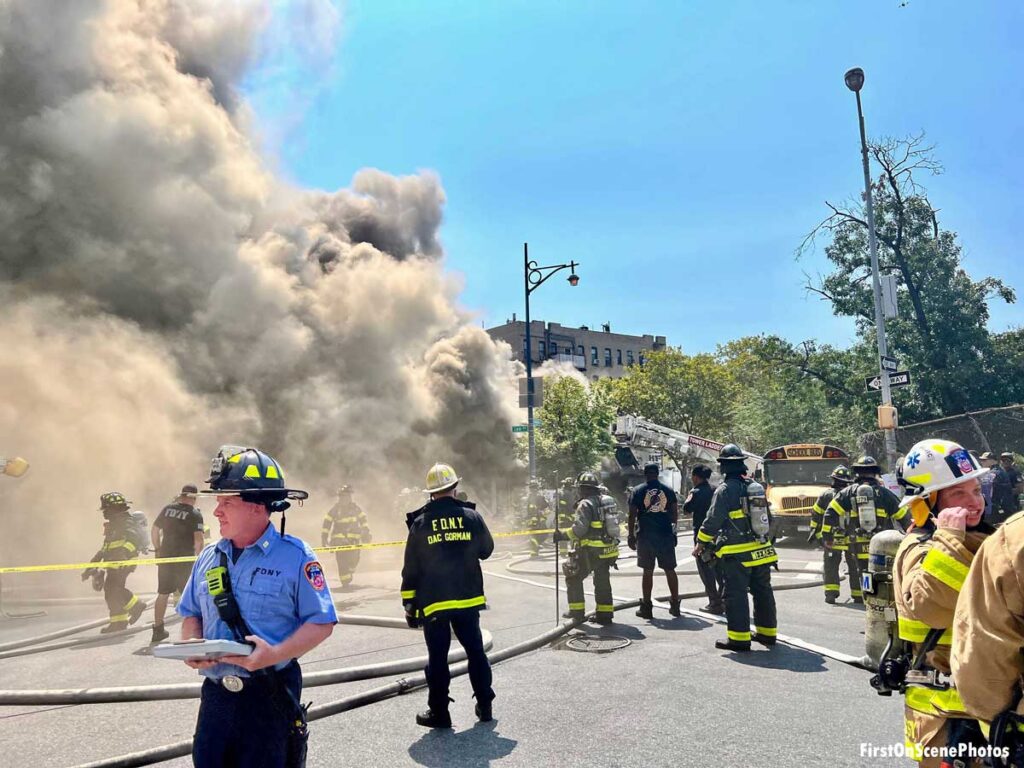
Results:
163 292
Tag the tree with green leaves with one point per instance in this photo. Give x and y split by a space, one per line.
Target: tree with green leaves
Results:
941 334
575 428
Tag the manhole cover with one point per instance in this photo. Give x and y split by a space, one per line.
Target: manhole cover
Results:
596 643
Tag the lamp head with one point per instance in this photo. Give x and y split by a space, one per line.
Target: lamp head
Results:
854 79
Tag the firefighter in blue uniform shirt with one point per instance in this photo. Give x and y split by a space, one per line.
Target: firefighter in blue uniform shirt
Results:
443 590
738 526
249 713
594 536
654 508
841 478
855 514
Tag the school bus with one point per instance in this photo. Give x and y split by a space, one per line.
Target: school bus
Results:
794 477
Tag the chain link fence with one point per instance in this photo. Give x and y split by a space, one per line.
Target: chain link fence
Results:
993 429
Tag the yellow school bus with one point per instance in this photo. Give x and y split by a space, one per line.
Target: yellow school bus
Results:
794 477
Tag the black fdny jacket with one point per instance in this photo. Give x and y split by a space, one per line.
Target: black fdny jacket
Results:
447 540
728 526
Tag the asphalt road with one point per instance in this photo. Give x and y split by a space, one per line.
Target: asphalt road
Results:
668 698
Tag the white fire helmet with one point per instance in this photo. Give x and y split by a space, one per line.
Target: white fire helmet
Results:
933 465
441 477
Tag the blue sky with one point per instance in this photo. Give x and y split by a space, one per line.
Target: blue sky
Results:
679 150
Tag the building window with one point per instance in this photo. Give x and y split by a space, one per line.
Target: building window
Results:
629 357
582 352
593 355
641 358
618 357
554 349
543 350
607 357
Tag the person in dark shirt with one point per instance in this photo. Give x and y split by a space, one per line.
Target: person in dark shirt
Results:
176 532
1014 476
697 503
654 508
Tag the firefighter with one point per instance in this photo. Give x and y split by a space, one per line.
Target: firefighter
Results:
120 542
653 518
738 526
988 634
345 525
564 508
944 495
841 477
594 537
535 515
443 590
855 514
267 589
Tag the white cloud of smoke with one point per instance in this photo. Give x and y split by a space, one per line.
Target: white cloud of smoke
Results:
162 292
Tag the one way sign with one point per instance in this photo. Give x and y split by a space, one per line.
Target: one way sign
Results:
898 379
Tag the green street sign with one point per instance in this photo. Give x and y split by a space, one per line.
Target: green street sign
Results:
520 428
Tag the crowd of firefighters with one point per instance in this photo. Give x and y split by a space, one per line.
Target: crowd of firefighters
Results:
956 565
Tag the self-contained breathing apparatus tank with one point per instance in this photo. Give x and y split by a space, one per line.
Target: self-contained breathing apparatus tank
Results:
867 512
886 652
755 507
609 512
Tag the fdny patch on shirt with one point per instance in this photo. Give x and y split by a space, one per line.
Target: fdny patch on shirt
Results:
315 575
656 500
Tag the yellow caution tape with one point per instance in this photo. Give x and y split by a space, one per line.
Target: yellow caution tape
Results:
191 558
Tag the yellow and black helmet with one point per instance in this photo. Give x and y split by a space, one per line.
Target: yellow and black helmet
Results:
249 473
843 474
113 502
588 479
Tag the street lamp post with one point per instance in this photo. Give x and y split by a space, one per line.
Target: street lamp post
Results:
533 277
854 79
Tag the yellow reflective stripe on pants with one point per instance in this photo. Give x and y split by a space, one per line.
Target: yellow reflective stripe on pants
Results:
596 524
132 602
740 637
451 605
601 608
932 701
766 631
945 568
118 617
408 594
917 631
577 606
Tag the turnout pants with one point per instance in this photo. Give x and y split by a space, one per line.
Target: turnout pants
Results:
739 580
437 631
247 729
118 597
347 562
711 577
831 560
590 562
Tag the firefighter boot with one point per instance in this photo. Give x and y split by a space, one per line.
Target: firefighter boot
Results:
432 719
673 607
646 610
732 645
483 712
136 611
114 626
766 640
